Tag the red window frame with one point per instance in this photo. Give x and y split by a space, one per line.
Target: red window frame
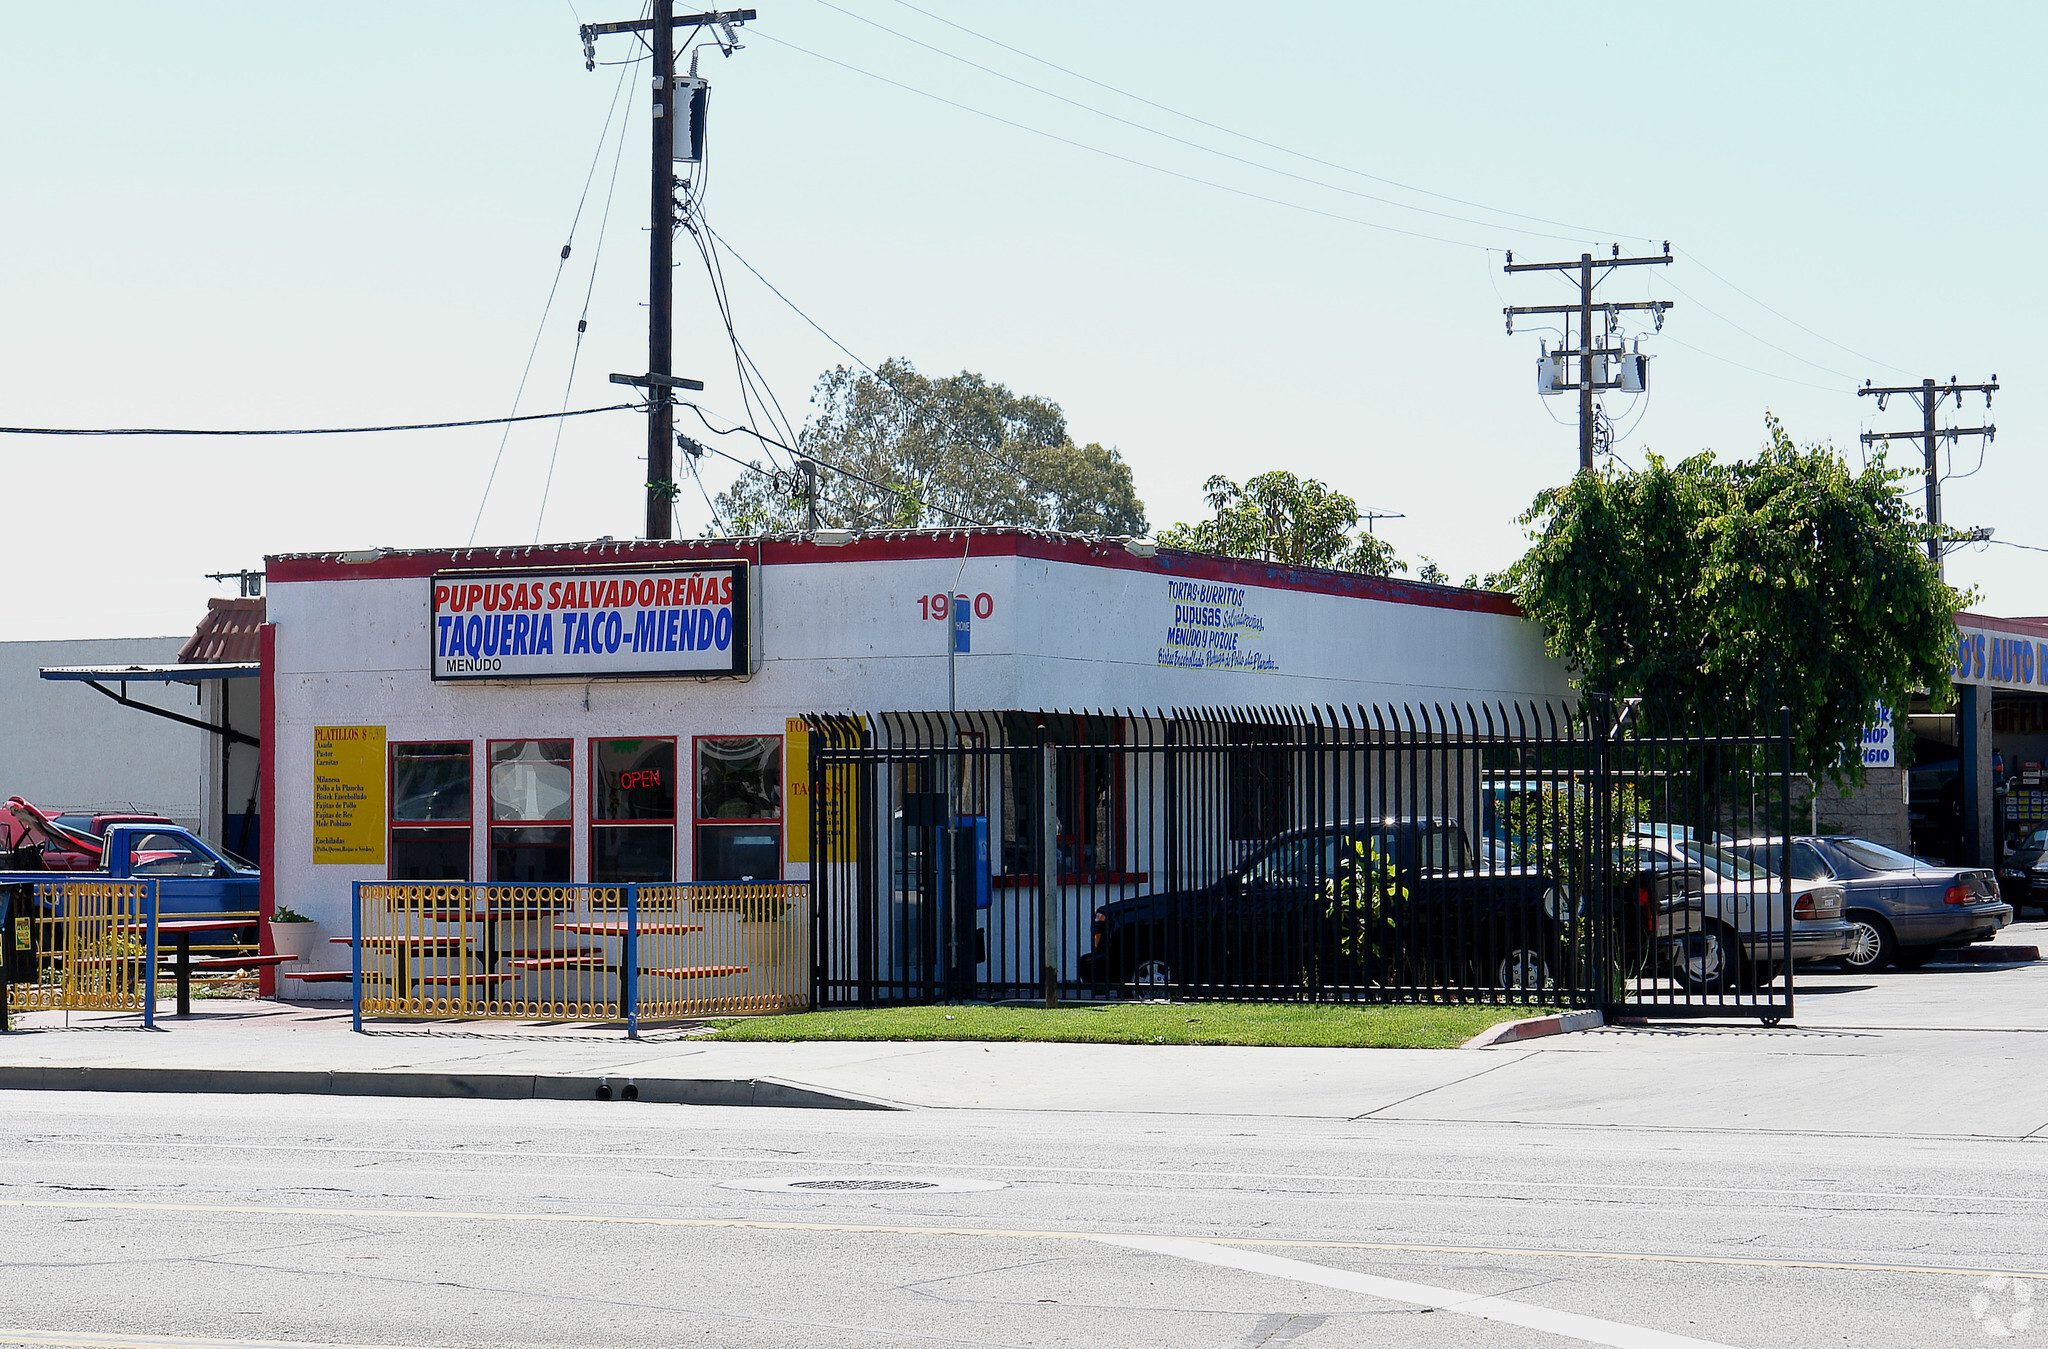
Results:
491 823
670 823
1074 838
393 825
779 821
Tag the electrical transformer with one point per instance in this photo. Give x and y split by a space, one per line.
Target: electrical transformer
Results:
692 95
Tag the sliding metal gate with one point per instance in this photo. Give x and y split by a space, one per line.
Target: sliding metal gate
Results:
1541 854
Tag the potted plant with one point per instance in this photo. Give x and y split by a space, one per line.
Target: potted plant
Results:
292 933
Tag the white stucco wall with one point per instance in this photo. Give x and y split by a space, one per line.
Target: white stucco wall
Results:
851 636
64 746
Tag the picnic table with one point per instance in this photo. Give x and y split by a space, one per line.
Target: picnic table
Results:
617 927
182 929
402 948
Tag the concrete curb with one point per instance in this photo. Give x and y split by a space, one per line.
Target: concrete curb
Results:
760 1091
1989 955
1535 1027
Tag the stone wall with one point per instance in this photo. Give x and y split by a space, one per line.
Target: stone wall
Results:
1876 812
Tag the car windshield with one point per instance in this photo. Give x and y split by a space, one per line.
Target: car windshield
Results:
1807 863
1722 862
2037 839
1874 856
1444 850
1292 862
167 855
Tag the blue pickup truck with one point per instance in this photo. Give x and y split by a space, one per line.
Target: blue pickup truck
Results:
192 878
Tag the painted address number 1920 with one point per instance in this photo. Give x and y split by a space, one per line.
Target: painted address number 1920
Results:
941 606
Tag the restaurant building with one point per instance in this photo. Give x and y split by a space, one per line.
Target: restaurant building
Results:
630 711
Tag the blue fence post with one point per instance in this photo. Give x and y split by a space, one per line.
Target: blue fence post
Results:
629 964
149 961
355 953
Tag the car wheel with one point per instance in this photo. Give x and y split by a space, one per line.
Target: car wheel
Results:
1150 979
1706 960
1522 967
1758 975
1913 957
1872 947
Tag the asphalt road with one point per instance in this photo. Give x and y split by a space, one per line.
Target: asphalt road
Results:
247 1220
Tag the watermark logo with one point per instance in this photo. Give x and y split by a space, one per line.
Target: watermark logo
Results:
2004 1306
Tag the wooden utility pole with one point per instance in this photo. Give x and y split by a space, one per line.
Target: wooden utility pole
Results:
659 381
1928 395
661 275
1586 351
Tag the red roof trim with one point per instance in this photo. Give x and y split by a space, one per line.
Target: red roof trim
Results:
2028 627
893 547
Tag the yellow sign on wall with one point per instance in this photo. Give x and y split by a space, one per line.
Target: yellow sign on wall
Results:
796 757
348 794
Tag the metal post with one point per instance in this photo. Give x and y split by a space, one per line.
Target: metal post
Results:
355 953
1599 895
1973 758
661 276
1785 839
1048 865
629 964
149 963
7 949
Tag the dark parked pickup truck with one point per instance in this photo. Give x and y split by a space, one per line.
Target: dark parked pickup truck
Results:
1271 924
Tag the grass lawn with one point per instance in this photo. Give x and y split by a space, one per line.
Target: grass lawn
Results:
1142 1023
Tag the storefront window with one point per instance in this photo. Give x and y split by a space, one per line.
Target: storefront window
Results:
739 808
1261 781
633 810
430 811
1089 788
531 793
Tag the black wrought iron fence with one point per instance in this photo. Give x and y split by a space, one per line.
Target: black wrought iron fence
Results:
1547 854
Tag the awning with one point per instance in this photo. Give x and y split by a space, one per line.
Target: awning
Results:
157 674
97 677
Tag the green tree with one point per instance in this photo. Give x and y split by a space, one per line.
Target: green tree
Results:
1721 591
919 451
1278 517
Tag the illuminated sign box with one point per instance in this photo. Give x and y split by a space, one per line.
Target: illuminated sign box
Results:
689 618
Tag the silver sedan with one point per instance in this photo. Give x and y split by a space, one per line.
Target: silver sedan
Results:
1901 910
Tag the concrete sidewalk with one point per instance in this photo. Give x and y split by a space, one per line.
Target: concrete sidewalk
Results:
1946 1051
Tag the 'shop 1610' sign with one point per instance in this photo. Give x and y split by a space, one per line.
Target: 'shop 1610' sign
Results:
685 619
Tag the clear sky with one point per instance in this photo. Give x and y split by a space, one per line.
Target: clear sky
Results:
245 215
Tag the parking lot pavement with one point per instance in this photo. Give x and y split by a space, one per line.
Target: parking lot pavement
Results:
1938 997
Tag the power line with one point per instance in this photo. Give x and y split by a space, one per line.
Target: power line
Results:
1580 230
1826 370
1182 140
887 488
1694 258
561 264
1003 461
583 319
1286 150
307 431
1754 370
791 303
1126 159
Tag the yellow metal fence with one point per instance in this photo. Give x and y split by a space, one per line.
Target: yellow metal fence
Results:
579 952
81 946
